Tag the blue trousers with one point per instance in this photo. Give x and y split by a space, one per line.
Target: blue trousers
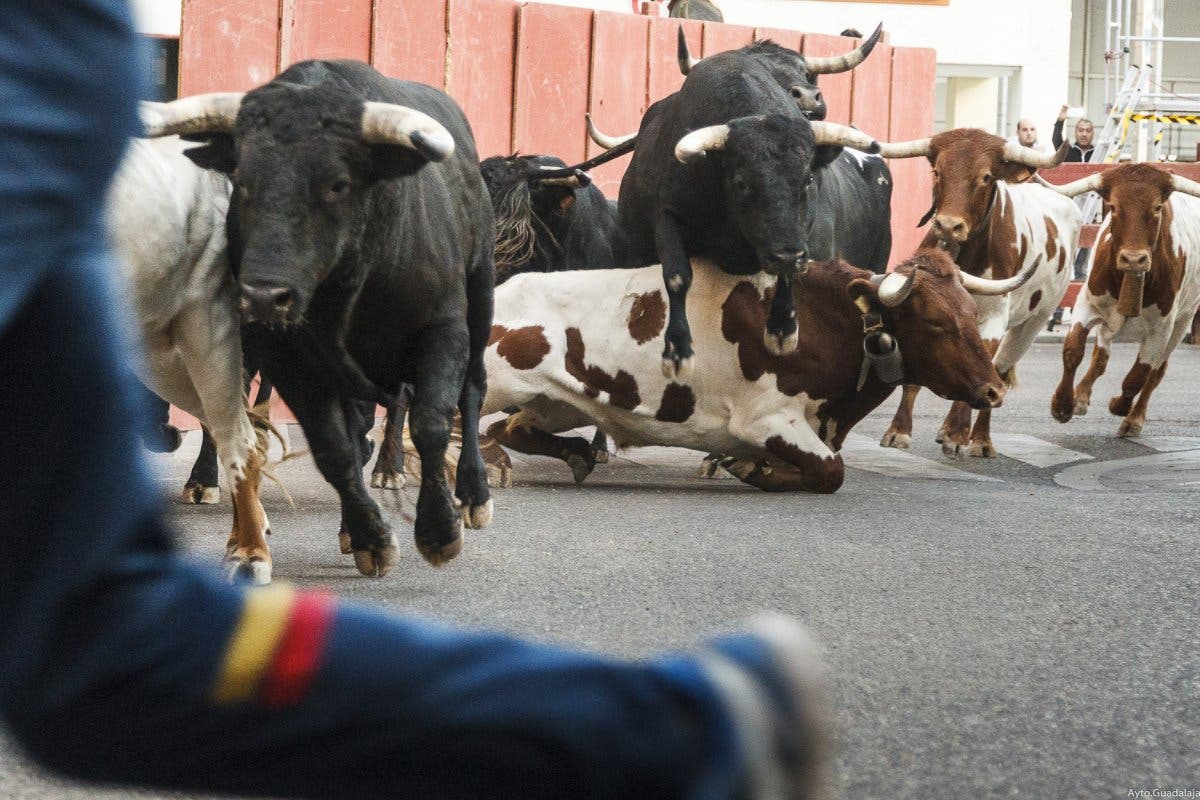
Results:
120 662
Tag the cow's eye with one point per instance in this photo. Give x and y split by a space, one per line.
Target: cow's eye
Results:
987 177
337 190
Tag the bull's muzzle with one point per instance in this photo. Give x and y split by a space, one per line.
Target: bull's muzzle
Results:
1133 261
949 228
783 262
268 303
992 396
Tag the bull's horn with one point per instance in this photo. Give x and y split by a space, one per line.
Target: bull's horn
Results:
985 287
700 141
910 149
1032 158
563 176
201 113
1075 188
826 65
603 139
686 62
844 135
1185 185
894 288
385 123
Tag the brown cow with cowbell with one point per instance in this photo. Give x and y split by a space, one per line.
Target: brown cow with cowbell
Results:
1145 270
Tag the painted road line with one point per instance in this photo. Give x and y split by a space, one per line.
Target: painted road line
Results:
1034 451
1169 444
861 452
1161 468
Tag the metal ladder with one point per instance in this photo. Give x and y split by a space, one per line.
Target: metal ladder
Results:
1116 129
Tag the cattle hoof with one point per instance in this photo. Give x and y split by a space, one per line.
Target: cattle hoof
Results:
1081 408
478 516
437 555
901 441
387 480
1120 406
941 436
195 494
1129 430
254 571
710 466
781 344
580 467
600 456
378 562
499 476
344 543
983 450
953 449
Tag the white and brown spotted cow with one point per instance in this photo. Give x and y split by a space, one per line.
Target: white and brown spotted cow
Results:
1150 236
996 225
578 348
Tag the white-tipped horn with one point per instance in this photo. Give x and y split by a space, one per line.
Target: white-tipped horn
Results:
683 54
1185 185
201 113
833 133
894 288
603 139
576 181
824 66
911 149
1032 158
1075 188
386 123
985 287
700 141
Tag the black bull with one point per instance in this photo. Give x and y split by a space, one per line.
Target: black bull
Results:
362 237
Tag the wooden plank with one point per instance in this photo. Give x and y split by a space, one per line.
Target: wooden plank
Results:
719 37
227 45
835 88
785 37
324 29
871 96
408 40
911 117
620 47
664 77
479 64
551 98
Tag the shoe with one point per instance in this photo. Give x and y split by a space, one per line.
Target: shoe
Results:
772 683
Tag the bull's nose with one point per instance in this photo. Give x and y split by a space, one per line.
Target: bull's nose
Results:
994 395
266 302
1134 260
788 260
948 227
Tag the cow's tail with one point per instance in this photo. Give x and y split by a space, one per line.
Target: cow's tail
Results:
264 429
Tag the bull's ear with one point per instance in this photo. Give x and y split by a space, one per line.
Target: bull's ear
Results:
215 152
861 287
825 155
394 161
1012 172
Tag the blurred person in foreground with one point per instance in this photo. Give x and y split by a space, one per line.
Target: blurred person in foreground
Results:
120 662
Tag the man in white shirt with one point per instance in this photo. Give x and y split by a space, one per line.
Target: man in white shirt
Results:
1027 136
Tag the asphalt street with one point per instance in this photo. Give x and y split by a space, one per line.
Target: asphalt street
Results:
1017 626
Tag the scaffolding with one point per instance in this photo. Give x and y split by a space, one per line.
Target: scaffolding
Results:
1134 40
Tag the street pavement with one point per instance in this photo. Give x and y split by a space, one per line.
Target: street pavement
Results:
1018 626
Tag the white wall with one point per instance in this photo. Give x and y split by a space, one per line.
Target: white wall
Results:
158 17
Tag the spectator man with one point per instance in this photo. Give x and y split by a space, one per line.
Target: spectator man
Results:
1082 148
1027 136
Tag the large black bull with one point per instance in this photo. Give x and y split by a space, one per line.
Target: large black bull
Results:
362 236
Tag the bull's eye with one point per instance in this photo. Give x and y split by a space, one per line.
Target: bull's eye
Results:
987 178
740 186
337 190
809 180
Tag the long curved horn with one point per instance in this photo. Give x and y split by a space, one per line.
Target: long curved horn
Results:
603 139
700 141
894 288
201 113
1075 188
1185 185
844 135
386 123
820 65
684 55
985 287
1032 158
562 176
910 149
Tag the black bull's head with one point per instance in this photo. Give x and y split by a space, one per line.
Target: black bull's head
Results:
302 160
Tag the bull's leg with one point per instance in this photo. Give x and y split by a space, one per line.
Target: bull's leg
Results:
798 459
443 351
899 433
1152 357
1133 423
782 334
389 464
203 484
519 432
1099 363
600 447
499 465
1064 404
956 430
710 466
678 359
471 480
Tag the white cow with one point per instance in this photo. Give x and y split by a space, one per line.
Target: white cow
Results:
576 348
167 220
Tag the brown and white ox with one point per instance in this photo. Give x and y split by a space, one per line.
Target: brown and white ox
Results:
1150 235
580 348
995 226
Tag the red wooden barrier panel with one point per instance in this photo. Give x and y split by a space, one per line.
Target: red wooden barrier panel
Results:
780 36
324 29
227 45
664 77
719 37
553 57
870 98
911 100
620 59
835 88
483 36
408 40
